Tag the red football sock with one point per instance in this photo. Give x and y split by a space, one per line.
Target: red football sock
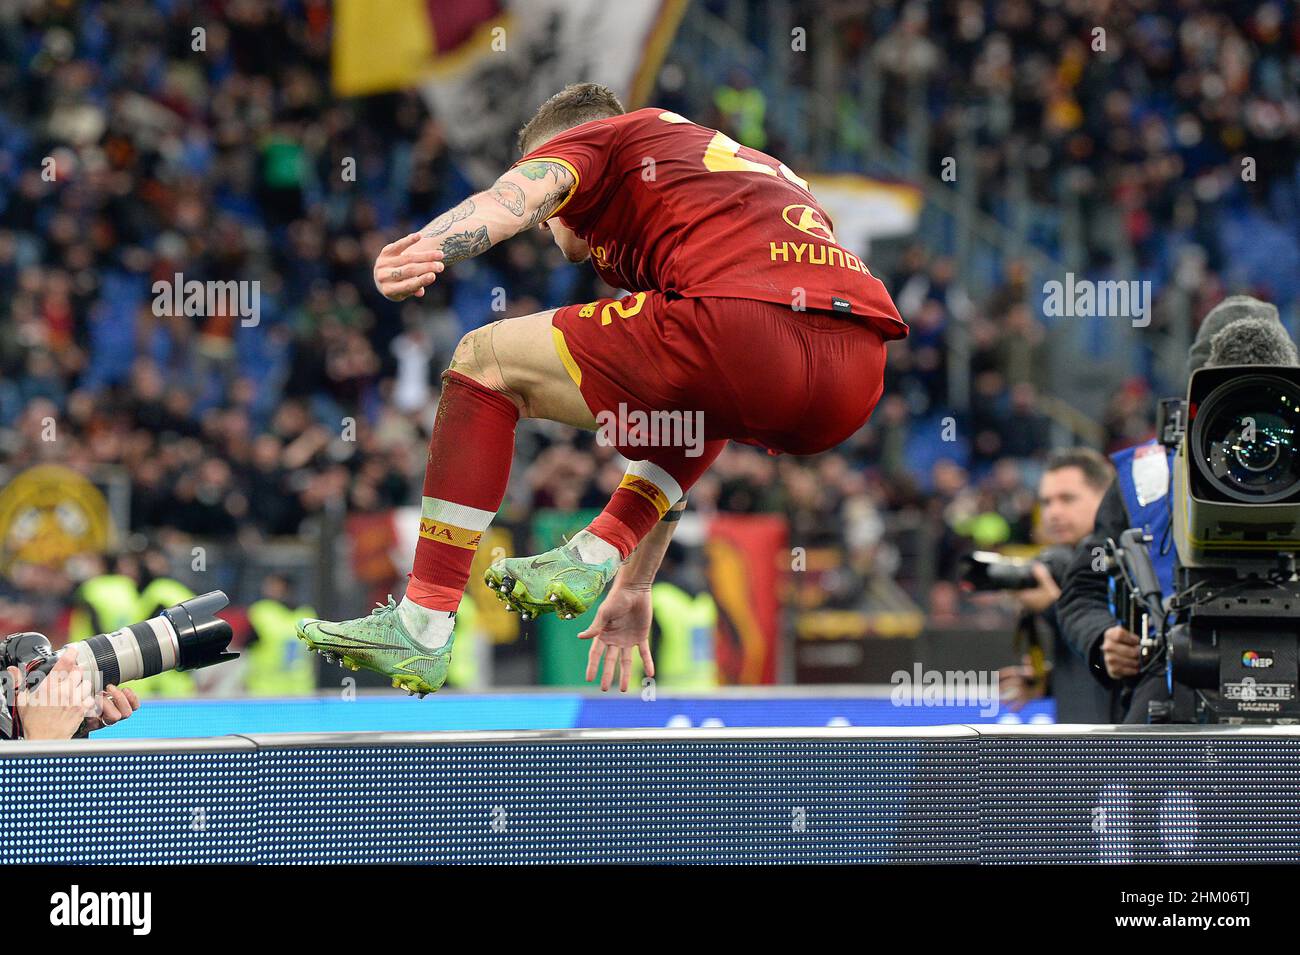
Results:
464 482
647 491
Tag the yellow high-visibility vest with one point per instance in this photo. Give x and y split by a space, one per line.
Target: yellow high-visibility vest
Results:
464 667
685 658
112 599
278 663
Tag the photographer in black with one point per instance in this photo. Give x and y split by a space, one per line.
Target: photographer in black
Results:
52 694
1069 492
1240 330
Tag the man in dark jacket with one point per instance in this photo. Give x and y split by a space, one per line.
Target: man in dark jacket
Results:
1072 486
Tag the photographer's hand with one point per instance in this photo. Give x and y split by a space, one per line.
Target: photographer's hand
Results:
1037 599
55 708
1119 651
115 704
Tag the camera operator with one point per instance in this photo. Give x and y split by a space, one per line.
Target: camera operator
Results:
1071 488
64 705
1240 330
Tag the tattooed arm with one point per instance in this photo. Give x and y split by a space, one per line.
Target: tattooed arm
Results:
523 197
519 200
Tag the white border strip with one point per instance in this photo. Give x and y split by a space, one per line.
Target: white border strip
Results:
251 743
649 471
457 515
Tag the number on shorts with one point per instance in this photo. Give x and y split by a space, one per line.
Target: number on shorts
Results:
607 313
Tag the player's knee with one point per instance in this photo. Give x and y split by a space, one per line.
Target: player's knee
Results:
468 358
474 358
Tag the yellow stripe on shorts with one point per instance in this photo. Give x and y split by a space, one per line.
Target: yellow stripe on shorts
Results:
562 349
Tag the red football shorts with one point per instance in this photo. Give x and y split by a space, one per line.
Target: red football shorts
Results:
760 373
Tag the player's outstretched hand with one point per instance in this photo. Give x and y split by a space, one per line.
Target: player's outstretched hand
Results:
622 622
403 270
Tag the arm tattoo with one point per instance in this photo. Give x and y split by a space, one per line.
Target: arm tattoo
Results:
465 245
549 204
509 195
556 197
540 169
449 218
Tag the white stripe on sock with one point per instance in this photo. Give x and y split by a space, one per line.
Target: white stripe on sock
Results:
659 478
457 515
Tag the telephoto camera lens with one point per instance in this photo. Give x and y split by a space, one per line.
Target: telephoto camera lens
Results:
187 636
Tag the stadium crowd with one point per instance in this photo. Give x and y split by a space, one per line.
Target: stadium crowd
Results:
1173 126
225 163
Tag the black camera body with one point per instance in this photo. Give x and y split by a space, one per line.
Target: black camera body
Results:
990 571
188 636
1239 650
1235 639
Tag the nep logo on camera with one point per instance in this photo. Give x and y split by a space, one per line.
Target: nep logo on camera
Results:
1256 660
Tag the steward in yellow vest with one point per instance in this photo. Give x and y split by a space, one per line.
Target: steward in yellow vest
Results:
466 670
685 657
276 662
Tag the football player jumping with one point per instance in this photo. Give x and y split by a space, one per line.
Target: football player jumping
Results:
746 314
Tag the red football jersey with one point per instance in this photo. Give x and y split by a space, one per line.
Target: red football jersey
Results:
670 206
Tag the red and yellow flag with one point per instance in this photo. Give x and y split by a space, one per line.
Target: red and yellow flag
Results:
384 45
